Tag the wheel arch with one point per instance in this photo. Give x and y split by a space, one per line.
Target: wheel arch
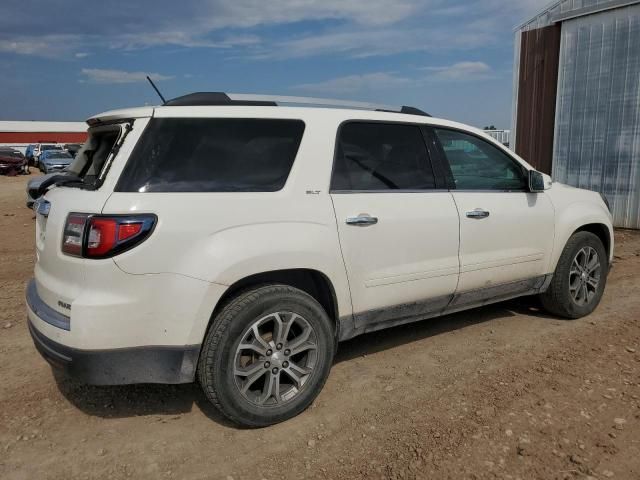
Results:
579 211
601 231
313 282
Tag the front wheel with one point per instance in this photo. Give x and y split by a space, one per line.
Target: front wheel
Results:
580 277
267 355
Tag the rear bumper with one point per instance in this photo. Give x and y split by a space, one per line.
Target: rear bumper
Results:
119 366
108 366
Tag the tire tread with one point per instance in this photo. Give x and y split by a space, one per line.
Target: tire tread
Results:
555 300
206 372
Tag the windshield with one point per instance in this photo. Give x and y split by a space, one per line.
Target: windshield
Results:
58 155
50 147
10 153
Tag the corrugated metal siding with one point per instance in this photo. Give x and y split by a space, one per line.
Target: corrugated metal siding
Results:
544 18
597 135
541 20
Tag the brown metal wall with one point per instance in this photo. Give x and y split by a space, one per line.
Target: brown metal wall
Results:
537 84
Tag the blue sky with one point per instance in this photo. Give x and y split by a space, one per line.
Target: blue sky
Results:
66 60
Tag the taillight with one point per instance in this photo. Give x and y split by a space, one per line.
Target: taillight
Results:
73 234
103 236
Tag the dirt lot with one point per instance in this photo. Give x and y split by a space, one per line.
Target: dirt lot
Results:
500 392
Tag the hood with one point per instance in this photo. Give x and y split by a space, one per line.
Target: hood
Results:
57 161
8 159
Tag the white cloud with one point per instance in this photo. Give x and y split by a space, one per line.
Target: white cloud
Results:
461 71
249 13
376 81
355 83
368 43
356 28
98 75
81 54
50 46
188 23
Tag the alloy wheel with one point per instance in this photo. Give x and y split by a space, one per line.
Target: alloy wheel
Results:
584 276
275 358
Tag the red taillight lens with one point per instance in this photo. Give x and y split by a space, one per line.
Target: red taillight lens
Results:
128 230
103 236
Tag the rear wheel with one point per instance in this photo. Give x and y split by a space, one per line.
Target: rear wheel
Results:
580 277
267 355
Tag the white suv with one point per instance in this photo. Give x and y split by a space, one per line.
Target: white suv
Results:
235 240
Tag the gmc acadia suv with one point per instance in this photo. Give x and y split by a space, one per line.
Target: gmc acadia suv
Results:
236 239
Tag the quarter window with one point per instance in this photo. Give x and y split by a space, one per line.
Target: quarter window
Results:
478 165
381 156
212 155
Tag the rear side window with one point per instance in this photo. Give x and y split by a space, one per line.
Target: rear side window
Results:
212 155
381 156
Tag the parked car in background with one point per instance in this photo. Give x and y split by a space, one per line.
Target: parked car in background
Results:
12 162
39 148
54 160
73 148
233 241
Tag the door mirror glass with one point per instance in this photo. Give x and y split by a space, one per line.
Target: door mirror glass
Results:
536 181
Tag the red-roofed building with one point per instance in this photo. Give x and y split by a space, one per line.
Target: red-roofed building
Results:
19 134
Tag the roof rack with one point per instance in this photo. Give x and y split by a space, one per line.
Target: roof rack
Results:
221 98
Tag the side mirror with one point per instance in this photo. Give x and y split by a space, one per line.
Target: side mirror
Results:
536 181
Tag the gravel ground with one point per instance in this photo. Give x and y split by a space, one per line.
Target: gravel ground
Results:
499 392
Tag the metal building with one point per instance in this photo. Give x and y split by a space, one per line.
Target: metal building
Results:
577 98
503 136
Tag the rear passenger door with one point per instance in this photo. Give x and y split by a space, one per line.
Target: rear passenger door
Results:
397 222
506 232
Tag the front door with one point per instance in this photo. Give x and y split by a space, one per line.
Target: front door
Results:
398 231
506 232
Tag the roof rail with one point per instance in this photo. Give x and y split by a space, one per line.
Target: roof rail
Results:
221 98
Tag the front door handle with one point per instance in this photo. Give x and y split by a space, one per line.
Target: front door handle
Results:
477 213
362 220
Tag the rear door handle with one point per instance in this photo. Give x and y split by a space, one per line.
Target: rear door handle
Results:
477 213
362 220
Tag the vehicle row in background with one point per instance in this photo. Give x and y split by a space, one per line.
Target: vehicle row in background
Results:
35 151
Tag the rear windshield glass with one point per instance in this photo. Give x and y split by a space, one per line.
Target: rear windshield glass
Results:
212 155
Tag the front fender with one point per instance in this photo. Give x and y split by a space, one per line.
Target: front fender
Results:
573 217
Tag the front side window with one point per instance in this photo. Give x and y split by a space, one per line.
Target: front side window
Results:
478 165
381 156
212 155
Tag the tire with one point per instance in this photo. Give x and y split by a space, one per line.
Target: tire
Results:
222 358
560 298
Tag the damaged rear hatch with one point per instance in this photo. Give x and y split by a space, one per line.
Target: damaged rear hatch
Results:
84 187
